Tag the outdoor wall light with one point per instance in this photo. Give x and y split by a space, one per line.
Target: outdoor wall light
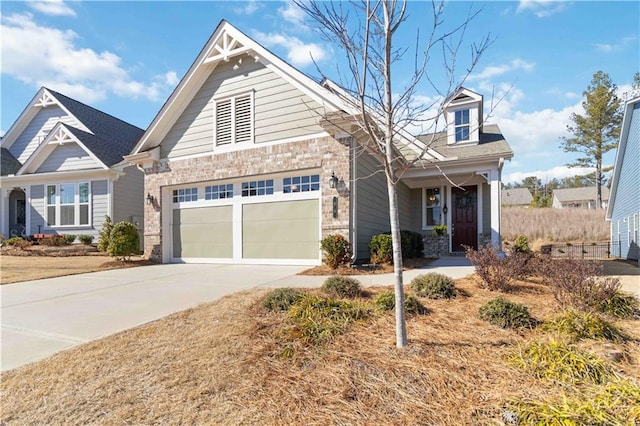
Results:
150 199
445 209
333 181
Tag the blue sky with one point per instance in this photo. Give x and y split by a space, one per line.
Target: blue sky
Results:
125 58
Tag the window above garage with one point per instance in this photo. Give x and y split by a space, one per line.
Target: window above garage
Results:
233 119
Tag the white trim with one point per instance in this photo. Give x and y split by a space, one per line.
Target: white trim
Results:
53 177
480 215
423 192
76 205
283 262
27 213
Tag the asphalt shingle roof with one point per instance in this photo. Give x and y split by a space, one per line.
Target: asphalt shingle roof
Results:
9 165
516 197
491 142
580 194
112 138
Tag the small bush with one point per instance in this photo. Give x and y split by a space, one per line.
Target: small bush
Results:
575 283
105 234
412 244
620 305
434 286
386 301
613 404
583 325
18 242
495 272
381 249
506 314
85 239
281 299
521 245
555 360
439 230
53 240
124 241
339 286
318 319
337 251
69 239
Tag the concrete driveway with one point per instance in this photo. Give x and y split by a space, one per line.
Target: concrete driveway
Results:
40 318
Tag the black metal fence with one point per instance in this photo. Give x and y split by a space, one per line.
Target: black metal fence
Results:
608 250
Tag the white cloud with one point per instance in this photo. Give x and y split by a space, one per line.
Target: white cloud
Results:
298 53
558 172
52 7
542 8
619 46
39 55
496 70
249 8
292 13
171 78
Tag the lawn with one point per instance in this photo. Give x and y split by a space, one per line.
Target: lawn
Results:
232 362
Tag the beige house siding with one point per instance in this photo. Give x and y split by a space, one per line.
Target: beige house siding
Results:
372 202
36 206
68 157
323 154
128 198
35 132
100 205
280 110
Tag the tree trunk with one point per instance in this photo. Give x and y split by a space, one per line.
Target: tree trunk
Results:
598 184
401 328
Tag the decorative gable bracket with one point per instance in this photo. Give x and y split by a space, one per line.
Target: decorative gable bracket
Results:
45 100
225 48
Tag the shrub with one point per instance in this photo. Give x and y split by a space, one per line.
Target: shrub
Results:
105 234
439 230
386 301
281 299
620 305
506 314
54 241
85 239
521 245
124 240
434 286
555 360
318 319
575 283
69 238
583 325
381 249
339 286
18 242
412 244
495 272
337 250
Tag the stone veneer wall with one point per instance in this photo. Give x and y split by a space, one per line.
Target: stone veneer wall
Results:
323 153
435 246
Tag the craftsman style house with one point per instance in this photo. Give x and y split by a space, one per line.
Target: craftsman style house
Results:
624 202
244 164
63 169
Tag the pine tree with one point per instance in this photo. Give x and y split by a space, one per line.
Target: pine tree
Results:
596 132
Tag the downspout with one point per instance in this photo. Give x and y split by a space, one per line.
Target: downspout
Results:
352 193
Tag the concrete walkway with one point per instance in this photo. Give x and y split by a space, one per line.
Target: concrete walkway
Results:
39 318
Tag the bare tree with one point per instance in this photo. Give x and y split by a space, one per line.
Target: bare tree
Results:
380 117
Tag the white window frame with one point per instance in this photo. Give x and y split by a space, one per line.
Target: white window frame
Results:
218 192
440 189
462 125
57 204
233 100
185 195
305 183
636 216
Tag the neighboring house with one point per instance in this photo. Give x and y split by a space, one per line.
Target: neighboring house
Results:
579 198
63 169
516 197
251 161
624 205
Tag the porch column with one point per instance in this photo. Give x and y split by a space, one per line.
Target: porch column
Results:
4 211
494 183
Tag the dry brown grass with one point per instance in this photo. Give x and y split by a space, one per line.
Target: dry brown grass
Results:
221 364
555 225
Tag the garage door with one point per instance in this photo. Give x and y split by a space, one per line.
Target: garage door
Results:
281 230
204 232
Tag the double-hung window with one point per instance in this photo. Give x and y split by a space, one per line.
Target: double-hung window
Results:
68 204
233 120
462 125
432 207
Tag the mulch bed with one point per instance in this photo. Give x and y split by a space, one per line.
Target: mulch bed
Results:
366 269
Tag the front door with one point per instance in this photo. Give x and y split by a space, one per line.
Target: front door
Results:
464 217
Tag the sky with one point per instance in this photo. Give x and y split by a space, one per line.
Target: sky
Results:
125 58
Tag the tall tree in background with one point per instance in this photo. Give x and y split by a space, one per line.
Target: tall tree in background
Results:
596 132
636 81
365 32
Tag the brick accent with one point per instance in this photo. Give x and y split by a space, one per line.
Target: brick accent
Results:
323 153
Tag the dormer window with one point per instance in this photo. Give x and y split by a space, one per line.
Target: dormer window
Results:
462 125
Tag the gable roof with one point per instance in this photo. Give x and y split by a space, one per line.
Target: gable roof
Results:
516 197
491 144
632 103
9 165
108 137
587 193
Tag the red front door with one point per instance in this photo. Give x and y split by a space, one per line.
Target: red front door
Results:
464 217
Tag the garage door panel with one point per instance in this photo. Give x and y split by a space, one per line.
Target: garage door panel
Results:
203 232
282 230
